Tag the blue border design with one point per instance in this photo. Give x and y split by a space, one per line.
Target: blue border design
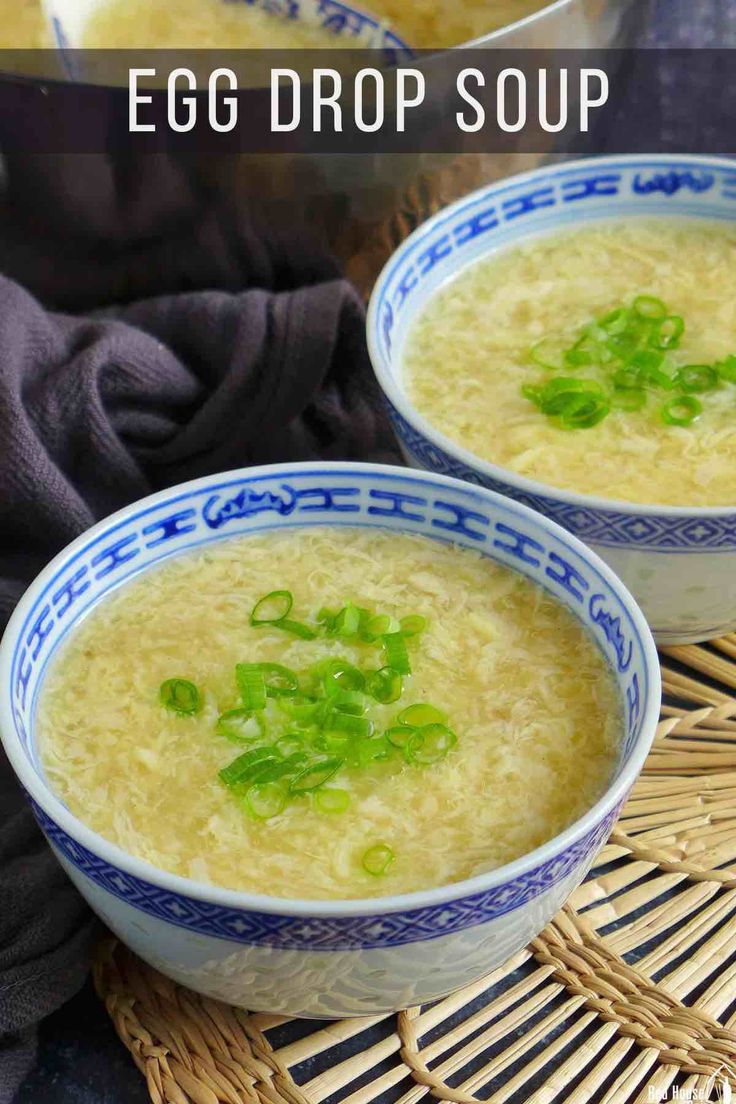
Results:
324 933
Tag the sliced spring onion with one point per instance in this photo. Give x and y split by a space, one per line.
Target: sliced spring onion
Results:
396 655
377 859
648 306
315 775
617 321
668 331
292 743
380 625
682 410
399 735
421 714
338 674
272 608
385 685
270 770
266 799
346 722
180 696
412 625
280 681
331 800
629 398
296 628
726 369
350 701
326 618
251 681
585 412
240 726
430 744
347 622
364 752
695 378
243 768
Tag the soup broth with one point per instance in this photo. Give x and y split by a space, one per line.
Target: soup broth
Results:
486 322
213 23
530 698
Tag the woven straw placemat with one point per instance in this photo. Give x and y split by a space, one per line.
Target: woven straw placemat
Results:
627 997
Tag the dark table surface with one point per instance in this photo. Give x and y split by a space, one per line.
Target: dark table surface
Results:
81 1061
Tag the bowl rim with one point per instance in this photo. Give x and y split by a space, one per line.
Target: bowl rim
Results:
490 37
38 789
400 400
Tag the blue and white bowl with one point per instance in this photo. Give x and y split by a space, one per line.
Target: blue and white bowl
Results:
679 562
315 958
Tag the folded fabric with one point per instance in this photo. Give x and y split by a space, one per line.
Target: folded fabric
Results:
96 412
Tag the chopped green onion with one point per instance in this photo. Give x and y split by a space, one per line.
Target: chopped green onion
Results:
301 709
296 628
694 378
364 752
270 770
272 608
668 331
430 744
332 801
397 657
290 744
400 735
421 714
629 398
327 617
242 768
385 685
727 369
180 696
377 859
584 412
315 775
266 799
586 350
346 722
338 674
347 621
380 626
350 701
413 625
251 681
279 681
617 321
682 410
648 306
240 726
533 394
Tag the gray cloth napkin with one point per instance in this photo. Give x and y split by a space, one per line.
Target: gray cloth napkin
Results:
96 412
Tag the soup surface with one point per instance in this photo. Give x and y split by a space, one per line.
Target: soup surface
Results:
529 696
486 321
212 23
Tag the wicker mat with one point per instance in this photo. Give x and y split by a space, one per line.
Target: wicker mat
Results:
629 995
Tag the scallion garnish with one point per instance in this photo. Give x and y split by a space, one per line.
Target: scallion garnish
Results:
246 765
397 656
377 859
315 775
251 681
332 800
412 625
266 799
400 735
240 726
429 744
180 696
272 608
694 378
279 681
682 410
385 685
421 714
346 722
